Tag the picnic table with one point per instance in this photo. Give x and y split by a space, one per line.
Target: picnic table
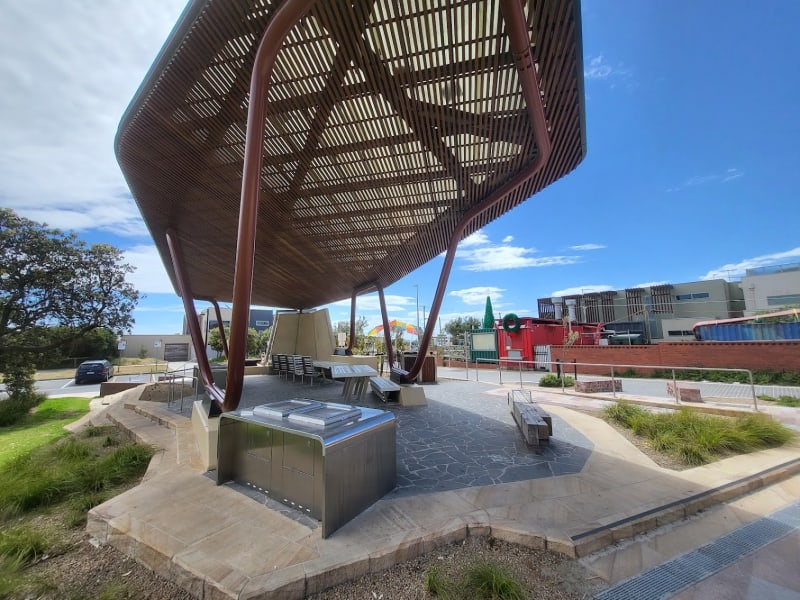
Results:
355 377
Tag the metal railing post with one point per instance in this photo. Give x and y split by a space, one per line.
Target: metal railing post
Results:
520 375
753 390
675 391
613 383
499 372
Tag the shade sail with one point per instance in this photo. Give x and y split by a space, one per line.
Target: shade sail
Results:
386 122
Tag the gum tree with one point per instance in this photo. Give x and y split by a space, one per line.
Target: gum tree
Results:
54 289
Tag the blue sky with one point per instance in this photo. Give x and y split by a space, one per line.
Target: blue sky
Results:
691 171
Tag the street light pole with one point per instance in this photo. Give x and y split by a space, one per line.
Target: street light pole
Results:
417 323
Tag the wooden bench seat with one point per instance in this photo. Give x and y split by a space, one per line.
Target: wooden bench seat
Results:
535 424
385 389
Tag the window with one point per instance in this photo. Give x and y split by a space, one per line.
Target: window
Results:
680 332
692 296
781 300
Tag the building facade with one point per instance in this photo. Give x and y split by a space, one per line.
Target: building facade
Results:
657 313
261 319
769 289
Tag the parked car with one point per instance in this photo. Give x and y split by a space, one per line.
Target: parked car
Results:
94 370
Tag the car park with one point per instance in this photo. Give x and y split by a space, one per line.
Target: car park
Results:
94 370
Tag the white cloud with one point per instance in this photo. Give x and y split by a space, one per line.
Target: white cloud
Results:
479 253
587 247
648 284
736 270
729 175
477 295
150 276
67 79
582 290
371 303
476 239
596 67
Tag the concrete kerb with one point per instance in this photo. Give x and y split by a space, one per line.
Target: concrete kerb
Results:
319 574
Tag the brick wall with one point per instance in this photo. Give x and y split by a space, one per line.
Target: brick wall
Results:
757 356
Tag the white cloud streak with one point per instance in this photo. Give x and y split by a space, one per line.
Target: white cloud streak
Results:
582 289
478 253
587 247
150 276
698 180
477 295
67 74
737 270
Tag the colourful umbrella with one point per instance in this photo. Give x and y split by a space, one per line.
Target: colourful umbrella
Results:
394 324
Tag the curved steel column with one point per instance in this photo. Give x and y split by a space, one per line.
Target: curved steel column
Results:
203 365
520 42
221 328
285 17
387 334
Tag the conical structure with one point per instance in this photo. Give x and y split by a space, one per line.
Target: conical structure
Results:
488 315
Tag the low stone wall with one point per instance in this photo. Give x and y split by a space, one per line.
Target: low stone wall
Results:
113 387
686 393
598 385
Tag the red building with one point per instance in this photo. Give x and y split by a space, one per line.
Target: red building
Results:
528 339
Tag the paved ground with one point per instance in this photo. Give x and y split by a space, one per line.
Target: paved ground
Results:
462 470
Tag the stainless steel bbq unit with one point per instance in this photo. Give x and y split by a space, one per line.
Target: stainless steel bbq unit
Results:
330 461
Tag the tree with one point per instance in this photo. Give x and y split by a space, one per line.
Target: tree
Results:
488 315
253 338
54 289
458 327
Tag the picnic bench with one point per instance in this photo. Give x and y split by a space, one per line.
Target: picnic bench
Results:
385 389
535 423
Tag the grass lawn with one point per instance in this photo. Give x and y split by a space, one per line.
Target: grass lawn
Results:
45 425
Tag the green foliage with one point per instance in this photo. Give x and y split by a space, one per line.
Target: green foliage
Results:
698 438
554 381
782 401
253 337
759 377
41 427
23 545
491 581
15 408
62 471
54 289
459 326
436 584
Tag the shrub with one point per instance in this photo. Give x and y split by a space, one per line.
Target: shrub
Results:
698 438
552 380
493 581
15 408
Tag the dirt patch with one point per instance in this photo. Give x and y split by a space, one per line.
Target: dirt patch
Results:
543 574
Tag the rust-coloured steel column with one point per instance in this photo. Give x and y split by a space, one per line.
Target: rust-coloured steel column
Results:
221 328
191 319
520 43
387 334
284 19
352 321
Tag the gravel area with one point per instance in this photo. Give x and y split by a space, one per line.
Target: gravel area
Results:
85 571
542 574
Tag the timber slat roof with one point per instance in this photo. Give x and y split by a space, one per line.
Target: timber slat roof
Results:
386 122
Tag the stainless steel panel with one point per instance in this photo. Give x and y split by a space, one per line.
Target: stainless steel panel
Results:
331 473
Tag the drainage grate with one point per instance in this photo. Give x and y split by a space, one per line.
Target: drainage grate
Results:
679 573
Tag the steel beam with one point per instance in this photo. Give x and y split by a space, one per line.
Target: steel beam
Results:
285 18
520 43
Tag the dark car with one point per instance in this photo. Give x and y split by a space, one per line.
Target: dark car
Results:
94 370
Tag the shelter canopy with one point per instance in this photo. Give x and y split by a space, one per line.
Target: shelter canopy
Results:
386 122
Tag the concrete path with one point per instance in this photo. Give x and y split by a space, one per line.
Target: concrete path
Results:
592 491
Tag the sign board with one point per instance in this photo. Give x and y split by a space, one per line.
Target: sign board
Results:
121 345
157 344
